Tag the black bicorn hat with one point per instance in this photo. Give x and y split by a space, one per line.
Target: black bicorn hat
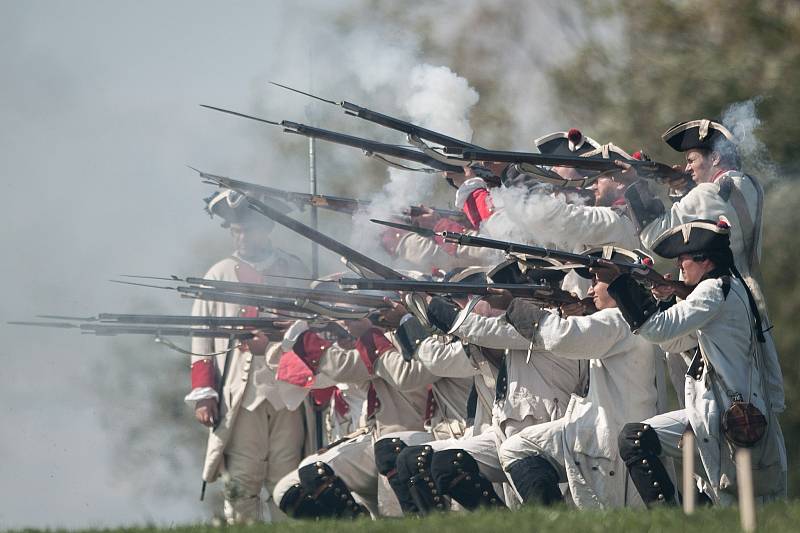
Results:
570 142
694 237
698 134
614 253
515 271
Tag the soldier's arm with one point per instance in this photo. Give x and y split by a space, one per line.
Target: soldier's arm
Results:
402 374
445 359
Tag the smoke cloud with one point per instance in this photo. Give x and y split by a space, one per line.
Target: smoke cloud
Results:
99 104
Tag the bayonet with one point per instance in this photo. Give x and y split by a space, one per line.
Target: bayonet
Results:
413 132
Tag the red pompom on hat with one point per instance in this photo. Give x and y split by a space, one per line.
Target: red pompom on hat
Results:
647 261
574 135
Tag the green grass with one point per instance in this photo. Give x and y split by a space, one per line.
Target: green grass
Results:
779 517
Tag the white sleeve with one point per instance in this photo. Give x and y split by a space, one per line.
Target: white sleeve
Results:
493 332
687 316
445 359
582 337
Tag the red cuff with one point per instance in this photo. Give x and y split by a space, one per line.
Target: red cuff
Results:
310 347
478 206
372 345
203 374
321 397
447 224
292 369
390 239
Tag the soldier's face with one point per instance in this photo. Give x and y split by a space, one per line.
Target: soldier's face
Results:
606 192
693 271
700 166
251 241
600 296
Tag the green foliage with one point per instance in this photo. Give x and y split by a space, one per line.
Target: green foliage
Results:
776 517
680 60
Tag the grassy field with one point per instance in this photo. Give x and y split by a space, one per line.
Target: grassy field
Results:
782 518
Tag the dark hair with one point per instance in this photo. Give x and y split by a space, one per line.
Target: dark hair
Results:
722 259
728 154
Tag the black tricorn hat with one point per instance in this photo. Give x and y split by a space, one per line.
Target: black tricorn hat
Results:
232 207
694 237
530 270
571 142
613 253
607 151
702 134
470 274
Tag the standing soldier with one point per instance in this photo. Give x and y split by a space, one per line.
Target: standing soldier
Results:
253 438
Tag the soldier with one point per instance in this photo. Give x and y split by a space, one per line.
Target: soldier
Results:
580 448
525 393
253 439
328 483
726 393
721 189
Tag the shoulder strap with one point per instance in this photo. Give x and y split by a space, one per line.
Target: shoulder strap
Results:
750 227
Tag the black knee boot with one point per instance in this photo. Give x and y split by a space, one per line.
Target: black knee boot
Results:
536 480
330 493
387 453
640 447
456 474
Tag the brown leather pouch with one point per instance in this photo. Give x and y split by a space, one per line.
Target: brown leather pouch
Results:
743 424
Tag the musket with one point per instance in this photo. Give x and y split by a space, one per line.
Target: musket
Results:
352 256
268 303
174 320
294 293
297 309
155 330
339 204
415 134
645 169
371 148
641 272
540 293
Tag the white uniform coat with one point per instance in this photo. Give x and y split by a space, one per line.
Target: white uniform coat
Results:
720 326
249 380
539 385
622 388
706 201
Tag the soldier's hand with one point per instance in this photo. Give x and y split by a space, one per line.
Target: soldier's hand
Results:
498 298
576 309
628 173
391 316
680 183
663 292
357 327
427 219
605 271
207 412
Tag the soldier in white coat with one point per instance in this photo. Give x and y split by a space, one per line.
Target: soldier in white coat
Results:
253 439
727 394
580 448
720 189
342 481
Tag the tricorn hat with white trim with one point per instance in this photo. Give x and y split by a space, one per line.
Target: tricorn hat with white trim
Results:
529 270
607 151
232 207
614 253
571 142
694 237
698 134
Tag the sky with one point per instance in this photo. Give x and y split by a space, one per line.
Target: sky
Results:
99 107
